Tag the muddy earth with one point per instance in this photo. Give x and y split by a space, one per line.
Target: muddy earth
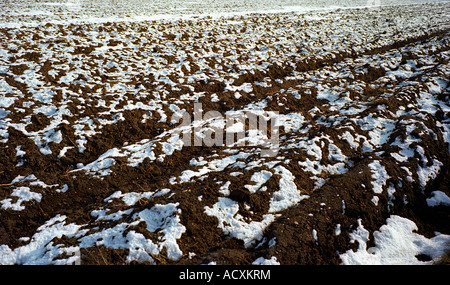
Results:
93 168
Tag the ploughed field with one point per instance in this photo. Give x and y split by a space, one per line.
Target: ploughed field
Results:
94 170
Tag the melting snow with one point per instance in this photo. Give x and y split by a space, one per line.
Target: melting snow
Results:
395 243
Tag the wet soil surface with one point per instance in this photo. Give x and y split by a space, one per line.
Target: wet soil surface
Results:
90 159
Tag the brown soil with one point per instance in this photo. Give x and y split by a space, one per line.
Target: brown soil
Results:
295 244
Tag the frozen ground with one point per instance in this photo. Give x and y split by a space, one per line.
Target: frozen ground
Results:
93 169
35 12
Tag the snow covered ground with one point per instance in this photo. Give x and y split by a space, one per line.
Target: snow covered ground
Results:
94 160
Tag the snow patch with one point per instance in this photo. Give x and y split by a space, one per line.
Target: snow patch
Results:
395 243
379 175
439 198
234 224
